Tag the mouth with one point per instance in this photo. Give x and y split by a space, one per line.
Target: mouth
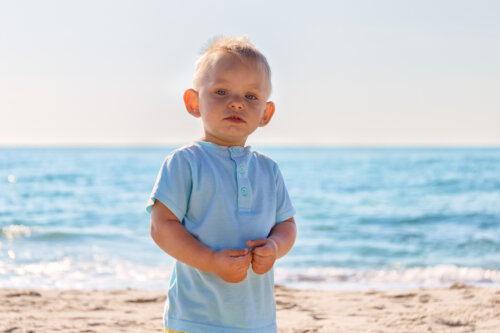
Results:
234 119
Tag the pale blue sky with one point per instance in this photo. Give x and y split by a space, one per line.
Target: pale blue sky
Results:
344 72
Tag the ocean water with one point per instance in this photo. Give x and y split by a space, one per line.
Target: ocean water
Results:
367 218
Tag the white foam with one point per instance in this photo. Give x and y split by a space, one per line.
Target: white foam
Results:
15 230
68 273
103 272
425 277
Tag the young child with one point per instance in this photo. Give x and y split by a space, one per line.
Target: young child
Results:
219 208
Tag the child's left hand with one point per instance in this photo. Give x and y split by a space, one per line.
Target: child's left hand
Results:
264 254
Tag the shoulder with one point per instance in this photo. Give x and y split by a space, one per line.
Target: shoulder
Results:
188 153
262 157
265 160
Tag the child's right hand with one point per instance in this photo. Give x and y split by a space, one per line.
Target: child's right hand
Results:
231 265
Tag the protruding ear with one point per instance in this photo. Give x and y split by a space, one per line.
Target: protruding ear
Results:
267 115
191 102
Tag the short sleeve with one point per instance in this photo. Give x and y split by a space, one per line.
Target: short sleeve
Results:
173 185
284 208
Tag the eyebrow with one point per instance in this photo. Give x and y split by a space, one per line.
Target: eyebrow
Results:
253 86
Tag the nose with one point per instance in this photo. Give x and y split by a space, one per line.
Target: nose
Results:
236 104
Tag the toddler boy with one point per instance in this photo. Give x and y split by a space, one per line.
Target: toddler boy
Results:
219 208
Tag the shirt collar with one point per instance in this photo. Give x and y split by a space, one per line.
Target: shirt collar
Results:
233 150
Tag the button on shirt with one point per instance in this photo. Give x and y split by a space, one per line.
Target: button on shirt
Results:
224 196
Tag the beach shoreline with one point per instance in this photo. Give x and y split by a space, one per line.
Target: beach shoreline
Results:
459 308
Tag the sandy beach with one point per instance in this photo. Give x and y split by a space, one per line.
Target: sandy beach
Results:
458 308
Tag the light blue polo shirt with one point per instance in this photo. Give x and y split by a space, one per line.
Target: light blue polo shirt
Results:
224 196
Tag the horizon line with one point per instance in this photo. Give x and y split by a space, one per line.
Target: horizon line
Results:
267 145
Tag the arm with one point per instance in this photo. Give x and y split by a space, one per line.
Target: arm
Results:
284 235
276 245
171 236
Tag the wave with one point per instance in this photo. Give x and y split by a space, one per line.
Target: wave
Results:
70 273
38 233
48 233
16 231
105 272
425 277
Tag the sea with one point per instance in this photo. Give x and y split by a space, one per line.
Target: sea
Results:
384 218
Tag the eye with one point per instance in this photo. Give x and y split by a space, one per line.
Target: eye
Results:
221 92
251 97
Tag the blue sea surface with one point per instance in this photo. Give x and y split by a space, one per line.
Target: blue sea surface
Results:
377 217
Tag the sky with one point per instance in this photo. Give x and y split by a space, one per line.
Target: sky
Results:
344 73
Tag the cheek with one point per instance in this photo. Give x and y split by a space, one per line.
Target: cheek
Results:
211 103
258 111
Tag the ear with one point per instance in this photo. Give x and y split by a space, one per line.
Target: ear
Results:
191 102
267 115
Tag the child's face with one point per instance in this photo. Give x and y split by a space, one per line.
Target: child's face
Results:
231 100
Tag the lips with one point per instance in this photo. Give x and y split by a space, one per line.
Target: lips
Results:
234 119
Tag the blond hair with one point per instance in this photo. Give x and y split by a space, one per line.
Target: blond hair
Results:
238 46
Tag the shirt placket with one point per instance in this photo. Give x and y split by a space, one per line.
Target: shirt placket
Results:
241 167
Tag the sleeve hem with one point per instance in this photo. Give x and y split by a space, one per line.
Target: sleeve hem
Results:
169 203
285 216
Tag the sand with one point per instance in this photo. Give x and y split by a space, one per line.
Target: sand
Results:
455 309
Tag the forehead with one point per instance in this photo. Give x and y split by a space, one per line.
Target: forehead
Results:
222 63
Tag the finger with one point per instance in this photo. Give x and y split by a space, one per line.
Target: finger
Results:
244 270
263 251
248 258
260 269
257 242
262 261
242 260
237 253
